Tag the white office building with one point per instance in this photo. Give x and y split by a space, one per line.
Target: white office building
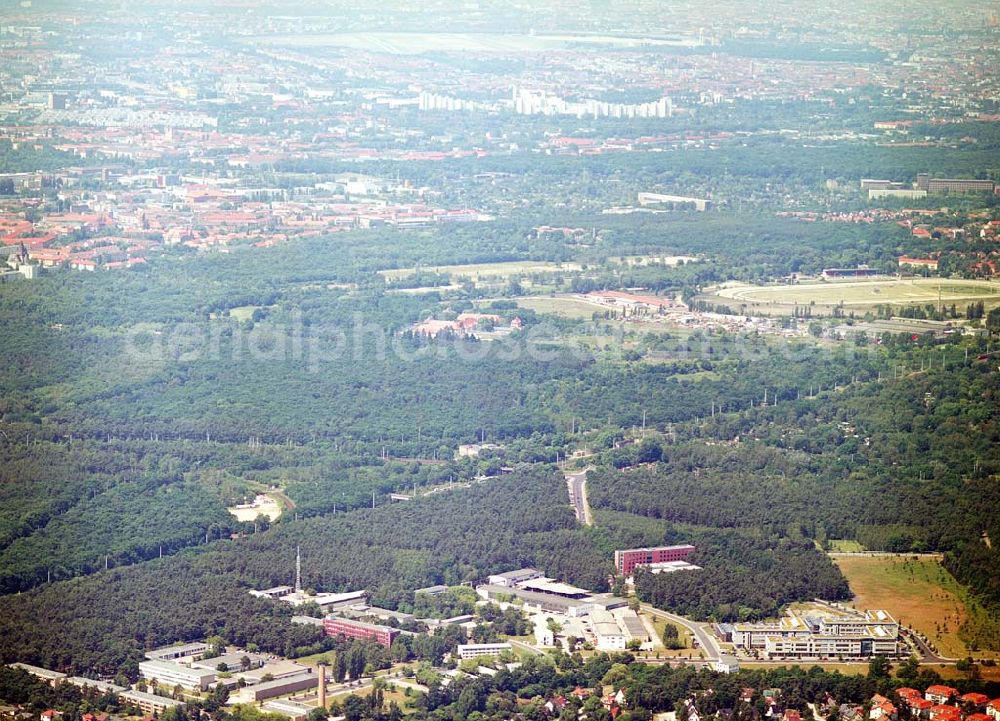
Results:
172 674
475 650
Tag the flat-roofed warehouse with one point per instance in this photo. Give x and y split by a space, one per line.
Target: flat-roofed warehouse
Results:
634 627
536 599
173 673
279 687
294 710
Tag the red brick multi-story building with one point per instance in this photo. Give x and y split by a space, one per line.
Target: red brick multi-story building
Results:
627 560
360 630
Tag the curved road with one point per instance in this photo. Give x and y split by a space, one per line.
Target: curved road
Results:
706 640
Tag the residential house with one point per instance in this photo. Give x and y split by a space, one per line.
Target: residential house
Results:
882 708
945 712
940 694
974 700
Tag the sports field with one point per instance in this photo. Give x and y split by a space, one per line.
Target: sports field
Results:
865 292
478 271
561 306
918 592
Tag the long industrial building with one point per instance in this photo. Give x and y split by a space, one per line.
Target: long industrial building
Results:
101 686
173 674
50 677
279 687
827 636
545 594
953 185
168 653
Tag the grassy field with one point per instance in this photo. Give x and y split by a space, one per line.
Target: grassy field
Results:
845 546
864 292
685 636
479 271
243 312
917 591
950 673
565 307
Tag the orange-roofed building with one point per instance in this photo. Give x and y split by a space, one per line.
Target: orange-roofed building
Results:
919 706
976 699
940 694
882 708
944 712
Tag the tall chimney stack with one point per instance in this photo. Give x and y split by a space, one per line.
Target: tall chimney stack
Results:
322 686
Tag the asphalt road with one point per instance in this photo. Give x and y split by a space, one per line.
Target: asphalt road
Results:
706 641
577 485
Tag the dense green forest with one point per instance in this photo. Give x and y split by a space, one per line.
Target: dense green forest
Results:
136 408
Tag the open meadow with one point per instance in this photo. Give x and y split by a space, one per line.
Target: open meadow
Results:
917 591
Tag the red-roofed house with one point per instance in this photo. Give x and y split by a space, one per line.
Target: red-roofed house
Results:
882 708
50 714
940 694
48 256
919 706
975 699
977 717
556 704
468 321
908 693
944 712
